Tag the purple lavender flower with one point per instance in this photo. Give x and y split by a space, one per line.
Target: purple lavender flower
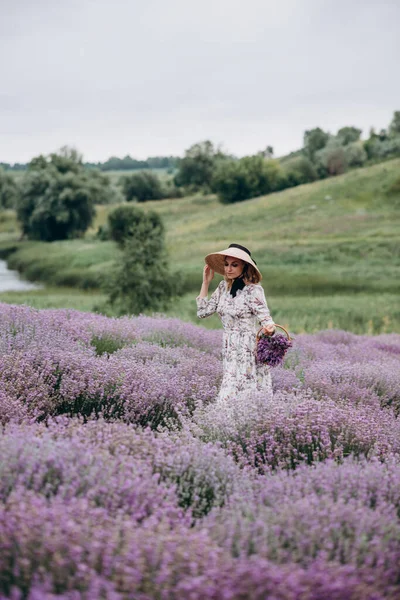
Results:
272 349
285 497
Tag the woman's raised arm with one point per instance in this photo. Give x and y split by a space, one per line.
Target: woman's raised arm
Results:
206 307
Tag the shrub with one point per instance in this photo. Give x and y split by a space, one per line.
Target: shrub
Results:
331 160
355 154
142 186
101 189
382 149
141 279
299 170
101 508
248 177
329 515
128 221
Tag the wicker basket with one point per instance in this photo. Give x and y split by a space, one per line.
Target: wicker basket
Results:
275 325
271 349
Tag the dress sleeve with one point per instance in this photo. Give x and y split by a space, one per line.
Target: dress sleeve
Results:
205 307
259 307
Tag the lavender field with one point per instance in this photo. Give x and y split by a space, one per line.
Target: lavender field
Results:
120 479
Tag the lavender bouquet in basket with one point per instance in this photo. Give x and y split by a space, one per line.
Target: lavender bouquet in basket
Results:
271 349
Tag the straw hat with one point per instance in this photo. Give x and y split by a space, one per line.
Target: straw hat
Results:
216 260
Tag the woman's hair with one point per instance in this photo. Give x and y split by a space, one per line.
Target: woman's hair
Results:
250 275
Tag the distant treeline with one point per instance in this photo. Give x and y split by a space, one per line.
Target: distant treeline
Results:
129 164
207 169
203 169
116 164
13 167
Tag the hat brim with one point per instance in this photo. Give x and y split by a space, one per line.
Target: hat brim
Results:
216 260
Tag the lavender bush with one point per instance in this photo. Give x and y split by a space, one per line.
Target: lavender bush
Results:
120 478
272 349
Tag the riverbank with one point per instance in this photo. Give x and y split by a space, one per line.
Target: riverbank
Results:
10 281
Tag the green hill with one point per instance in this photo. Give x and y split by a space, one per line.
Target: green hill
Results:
332 240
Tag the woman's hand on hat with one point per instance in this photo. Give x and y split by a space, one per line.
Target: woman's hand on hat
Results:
208 274
268 329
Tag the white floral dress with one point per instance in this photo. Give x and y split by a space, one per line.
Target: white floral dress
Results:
241 318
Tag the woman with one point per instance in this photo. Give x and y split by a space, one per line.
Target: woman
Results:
240 303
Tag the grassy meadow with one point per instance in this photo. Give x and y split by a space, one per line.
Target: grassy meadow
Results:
329 252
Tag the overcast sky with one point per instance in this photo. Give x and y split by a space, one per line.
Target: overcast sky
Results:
152 77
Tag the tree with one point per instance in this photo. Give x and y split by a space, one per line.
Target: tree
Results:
125 221
251 176
141 280
383 135
371 144
9 190
196 169
298 170
142 186
331 160
129 163
101 189
67 160
394 127
355 154
267 153
56 200
314 140
347 135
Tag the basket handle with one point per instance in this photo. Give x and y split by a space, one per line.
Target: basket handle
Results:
276 325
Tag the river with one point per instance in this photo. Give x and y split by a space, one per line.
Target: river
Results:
10 281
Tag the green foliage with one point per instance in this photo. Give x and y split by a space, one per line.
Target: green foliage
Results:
385 144
355 154
141 279
100 188
57 197
196 169
371 145
298 170
314 140
130 164
129 221
347 135
54 206
142 186
331 160
107 344
394 127
14 167
328 252
68 160
9 191
248 177
382 149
